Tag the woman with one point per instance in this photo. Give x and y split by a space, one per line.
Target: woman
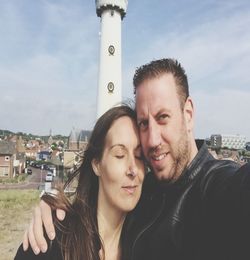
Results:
109 186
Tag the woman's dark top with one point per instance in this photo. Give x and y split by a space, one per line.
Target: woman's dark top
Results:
53 252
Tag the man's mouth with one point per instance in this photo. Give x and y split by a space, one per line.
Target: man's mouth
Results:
159 157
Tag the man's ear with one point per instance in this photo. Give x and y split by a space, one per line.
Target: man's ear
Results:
189 114
95 166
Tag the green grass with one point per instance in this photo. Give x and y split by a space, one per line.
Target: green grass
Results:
16 179
16 208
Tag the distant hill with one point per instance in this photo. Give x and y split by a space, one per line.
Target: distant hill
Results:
25 136
5 132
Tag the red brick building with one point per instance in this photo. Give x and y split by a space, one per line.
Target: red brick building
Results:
7 152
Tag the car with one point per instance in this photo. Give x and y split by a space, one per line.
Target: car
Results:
45 167
53 170
29 171
49 177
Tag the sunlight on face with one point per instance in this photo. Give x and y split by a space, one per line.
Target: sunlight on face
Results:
118 188
163 127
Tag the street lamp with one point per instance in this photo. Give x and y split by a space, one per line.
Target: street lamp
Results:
41 171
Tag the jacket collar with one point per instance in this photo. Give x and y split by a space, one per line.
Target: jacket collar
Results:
197 163
192 170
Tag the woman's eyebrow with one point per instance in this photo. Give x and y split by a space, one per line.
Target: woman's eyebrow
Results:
119 145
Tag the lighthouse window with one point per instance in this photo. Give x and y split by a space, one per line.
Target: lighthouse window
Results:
111 87
111 49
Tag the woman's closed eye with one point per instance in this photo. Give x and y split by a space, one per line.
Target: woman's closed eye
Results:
119 156
139 157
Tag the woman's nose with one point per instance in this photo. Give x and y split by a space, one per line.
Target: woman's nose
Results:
132 171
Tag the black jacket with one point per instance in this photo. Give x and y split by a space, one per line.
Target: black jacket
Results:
205 215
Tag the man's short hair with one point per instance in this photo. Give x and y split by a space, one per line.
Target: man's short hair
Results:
158 67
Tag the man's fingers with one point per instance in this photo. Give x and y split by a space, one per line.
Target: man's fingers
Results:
47 219
60 214
32 239
38 230
25 241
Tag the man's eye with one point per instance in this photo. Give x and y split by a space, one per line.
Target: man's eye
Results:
163 117
143 124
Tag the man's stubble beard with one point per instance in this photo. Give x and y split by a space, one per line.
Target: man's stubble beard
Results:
181 156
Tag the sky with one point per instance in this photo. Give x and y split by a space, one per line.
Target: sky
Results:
49 58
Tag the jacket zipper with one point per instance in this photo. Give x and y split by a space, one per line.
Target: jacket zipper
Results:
148 226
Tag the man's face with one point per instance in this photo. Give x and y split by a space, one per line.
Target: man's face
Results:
163 126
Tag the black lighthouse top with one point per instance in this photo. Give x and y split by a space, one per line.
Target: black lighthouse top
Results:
118 5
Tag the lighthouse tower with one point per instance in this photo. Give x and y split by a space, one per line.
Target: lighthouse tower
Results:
110 71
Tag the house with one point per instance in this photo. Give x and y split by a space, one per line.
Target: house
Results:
19 157
71 159
77 143
7 153
19 163
78 140
43 155
32 149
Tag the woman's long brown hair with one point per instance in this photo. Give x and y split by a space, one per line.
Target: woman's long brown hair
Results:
79 232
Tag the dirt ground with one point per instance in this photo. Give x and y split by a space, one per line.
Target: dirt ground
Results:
16 208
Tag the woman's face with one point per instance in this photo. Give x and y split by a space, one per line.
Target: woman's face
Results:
121 169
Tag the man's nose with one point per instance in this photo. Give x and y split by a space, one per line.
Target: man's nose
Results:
154 135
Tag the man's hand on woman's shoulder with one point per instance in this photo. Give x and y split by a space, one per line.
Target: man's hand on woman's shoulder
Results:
34 235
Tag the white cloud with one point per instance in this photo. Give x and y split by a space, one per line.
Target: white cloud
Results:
51 83
206 48
215 52
225 111
44 97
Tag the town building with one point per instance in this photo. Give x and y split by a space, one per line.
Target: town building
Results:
7 152
78 139
237 142
77 142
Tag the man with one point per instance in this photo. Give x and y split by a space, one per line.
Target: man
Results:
193 206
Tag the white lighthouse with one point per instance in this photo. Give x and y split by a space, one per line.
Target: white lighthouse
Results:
110 71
